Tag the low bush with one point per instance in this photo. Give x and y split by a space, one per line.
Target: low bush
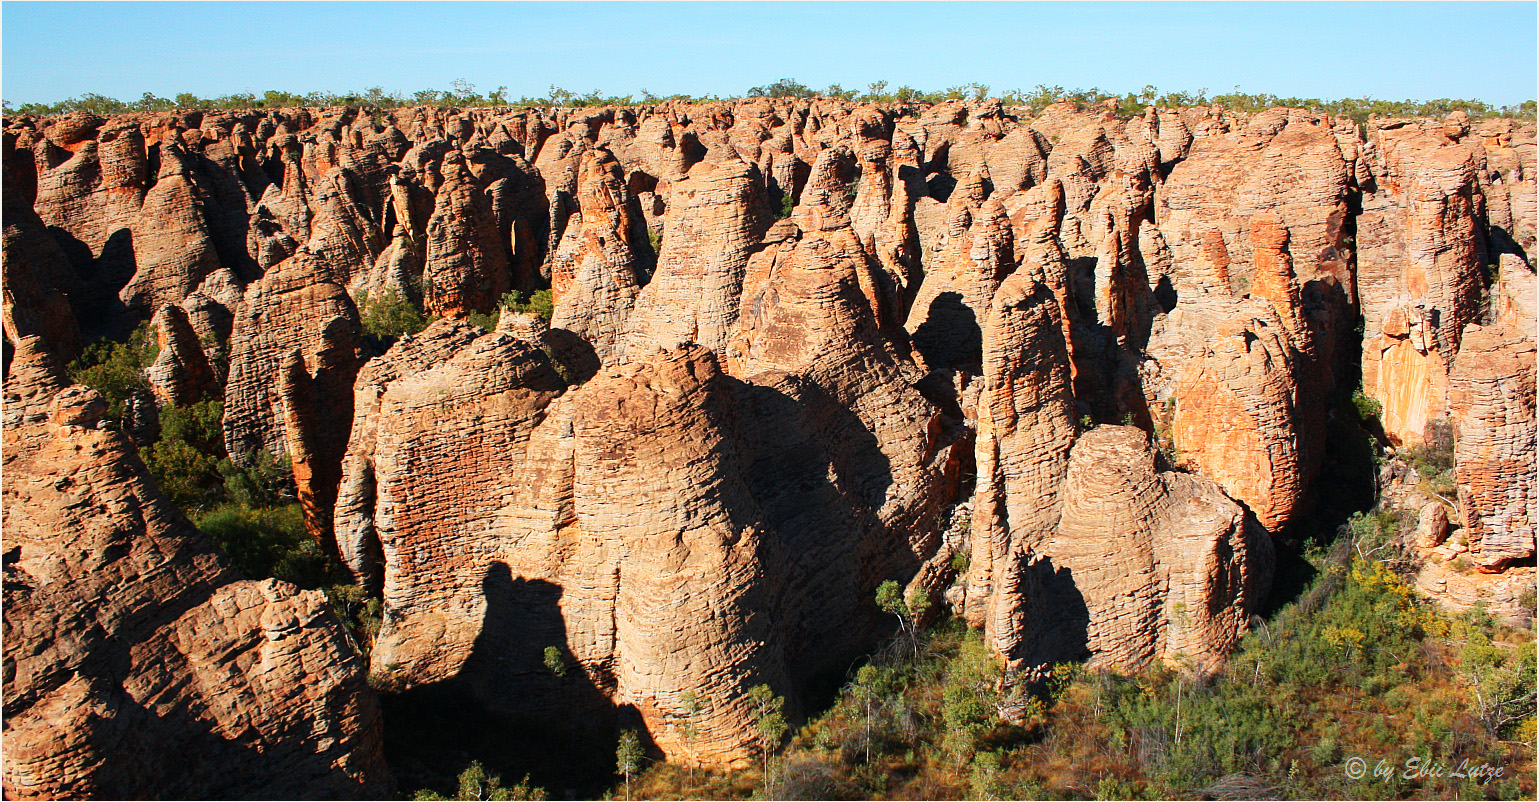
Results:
476 783
116 369
387 315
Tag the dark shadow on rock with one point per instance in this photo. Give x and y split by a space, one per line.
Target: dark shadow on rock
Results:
575 354
818 476
1165 294
937 388
940 186
1058 622
506 708
950 336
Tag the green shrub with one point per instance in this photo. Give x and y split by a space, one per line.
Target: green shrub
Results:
968 695
116 370
787 205
783 88
486 320
1435 454
476 783
268 481
362 613
386 316
1367 408
538 304
268 542
185 461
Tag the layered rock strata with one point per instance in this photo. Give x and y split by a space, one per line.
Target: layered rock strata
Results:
138 663
787 335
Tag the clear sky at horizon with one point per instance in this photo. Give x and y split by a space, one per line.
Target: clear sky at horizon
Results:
50 51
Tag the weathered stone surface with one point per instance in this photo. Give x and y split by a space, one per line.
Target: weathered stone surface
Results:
342 234
295 305
443 437
1234 414
945 321
733 456
1025 429
659 475
356 537
1504 596
137 663
38 279
181 374
1144 564
657 482
713 224
89 192
173 248
593 273
1431 526
1419 271
466 268
1491 399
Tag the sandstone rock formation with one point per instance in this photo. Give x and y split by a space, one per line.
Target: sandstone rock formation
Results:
1492 400
593 274
714 222
1143 564
1026 426
1419 270
137 662
181 374
295 349
868 337
39 280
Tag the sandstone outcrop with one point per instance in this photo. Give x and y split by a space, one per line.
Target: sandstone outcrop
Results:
466 268
1420 256
1026 425
38 278
593 273
1491 401
713 224
695 475
137 662
1144 564
295 349
181 374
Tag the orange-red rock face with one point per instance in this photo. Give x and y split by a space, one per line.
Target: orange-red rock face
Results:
137 662
735 426
1421 252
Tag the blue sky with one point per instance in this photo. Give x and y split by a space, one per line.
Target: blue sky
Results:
1481 50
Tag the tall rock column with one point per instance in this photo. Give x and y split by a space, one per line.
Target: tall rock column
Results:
593 272
1419 272
713 223
296 305
466 268
1025 429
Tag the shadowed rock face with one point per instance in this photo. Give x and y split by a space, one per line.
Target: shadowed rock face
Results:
696 474
1161 562
137 662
